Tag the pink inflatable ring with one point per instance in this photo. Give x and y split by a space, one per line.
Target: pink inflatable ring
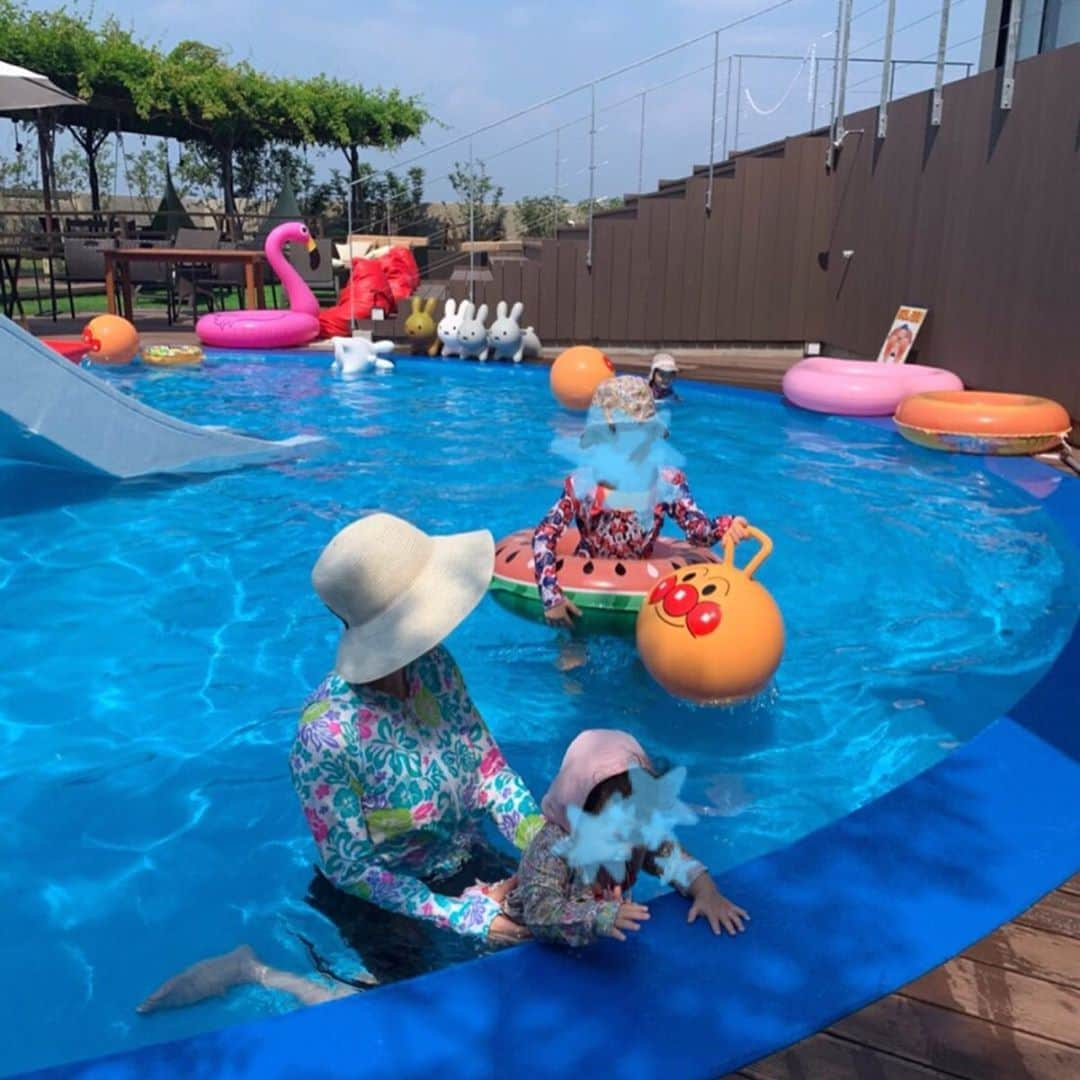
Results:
861 387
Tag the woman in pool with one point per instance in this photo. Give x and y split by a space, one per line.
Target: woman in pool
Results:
553 900
394 768
621 497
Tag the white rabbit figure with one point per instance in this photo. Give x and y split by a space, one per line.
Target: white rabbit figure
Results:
450 324
530 344
355 355
505 337
472 334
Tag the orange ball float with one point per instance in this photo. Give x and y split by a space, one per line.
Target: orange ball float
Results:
577 373
711 634
110 340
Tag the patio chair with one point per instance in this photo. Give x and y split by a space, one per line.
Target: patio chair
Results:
84 263
199 277
154 277
323 280
229 277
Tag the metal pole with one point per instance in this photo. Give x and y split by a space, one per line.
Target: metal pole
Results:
348 245
886 71
727 107
892 79
558 205
738 102
641 148
836 68
472 227
840 82
712 120
592 170
1008 80
939 71
813 94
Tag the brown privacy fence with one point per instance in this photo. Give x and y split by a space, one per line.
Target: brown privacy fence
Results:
978 220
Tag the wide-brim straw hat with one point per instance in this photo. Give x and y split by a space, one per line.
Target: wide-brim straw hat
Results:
398 590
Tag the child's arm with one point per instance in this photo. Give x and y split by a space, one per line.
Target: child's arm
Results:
699 528
671 863
545 538
548 903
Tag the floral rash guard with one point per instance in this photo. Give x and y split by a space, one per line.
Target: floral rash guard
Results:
618 534
556 907
396 791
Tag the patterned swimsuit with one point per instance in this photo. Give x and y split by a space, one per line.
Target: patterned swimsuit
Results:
618 534
550 901
396 792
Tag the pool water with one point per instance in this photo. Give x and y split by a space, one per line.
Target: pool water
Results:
159 637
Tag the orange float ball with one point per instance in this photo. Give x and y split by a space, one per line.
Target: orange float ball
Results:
111 340
711 634
577 373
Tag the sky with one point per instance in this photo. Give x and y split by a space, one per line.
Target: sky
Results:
475 62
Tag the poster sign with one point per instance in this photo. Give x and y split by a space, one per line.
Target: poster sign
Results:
902 334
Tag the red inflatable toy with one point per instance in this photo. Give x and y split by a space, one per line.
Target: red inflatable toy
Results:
401 270
367 288
69 350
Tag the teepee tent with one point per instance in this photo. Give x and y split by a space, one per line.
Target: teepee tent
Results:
285 208
171 214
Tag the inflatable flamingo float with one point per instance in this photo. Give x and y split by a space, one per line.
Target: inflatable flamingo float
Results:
270 329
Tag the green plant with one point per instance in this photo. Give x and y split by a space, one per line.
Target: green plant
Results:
541 215
476 191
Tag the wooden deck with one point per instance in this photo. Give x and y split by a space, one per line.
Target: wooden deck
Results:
1008 1008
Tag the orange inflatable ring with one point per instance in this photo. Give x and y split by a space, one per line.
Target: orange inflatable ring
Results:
982 422
609 592
712 634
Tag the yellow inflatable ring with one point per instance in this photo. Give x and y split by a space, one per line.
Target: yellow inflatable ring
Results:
982 422
172 355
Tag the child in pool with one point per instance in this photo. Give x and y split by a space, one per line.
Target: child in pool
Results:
620 501
551 899
662 374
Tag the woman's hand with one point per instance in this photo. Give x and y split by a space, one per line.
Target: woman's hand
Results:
630 916
504 931
738 530
563 613
717 908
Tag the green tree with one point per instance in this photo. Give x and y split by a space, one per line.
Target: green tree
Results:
386 203
196 173
261 171
349 118
89 61
145 170
475 189
541 215
599 206
19 174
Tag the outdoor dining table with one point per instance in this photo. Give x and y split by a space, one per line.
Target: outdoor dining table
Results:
10 261
118 278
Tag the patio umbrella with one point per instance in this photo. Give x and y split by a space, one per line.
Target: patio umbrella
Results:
21 90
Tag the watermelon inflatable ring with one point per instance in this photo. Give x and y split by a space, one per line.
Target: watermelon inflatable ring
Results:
609 592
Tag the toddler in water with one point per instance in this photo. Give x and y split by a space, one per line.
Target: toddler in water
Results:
556 903
623 493
662 374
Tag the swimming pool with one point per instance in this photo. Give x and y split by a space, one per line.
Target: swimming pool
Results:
160 637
